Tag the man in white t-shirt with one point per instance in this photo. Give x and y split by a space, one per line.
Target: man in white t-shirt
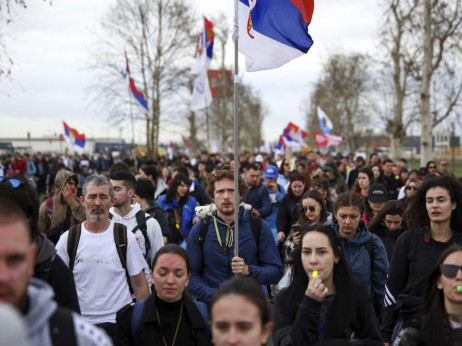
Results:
99 276
125 213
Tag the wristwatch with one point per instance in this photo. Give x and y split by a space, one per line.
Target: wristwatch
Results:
250 270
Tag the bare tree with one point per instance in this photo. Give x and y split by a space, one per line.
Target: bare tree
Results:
341 92
157 35
7 14
399 64
442 32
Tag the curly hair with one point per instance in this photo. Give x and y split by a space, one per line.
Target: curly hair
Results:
225 173
416 214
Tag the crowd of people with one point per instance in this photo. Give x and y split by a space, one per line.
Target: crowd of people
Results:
332 250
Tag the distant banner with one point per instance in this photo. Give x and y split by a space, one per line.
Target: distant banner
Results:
326 140
221 83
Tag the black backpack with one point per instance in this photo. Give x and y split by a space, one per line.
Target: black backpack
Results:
141 219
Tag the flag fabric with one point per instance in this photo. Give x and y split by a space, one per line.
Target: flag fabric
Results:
326 140
138 95
186 142
221 83
204 48
296 132
74 140
324 122
273 32
202 96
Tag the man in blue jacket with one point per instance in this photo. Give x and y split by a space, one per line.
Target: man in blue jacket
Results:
257 196
212 259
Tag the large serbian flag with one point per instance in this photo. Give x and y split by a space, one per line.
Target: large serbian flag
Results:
74 140
273 32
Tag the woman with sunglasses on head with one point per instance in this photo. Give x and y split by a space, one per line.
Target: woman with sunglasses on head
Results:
313 211
409 190
169 316
434 218
388 225
239 314
440 321
323 303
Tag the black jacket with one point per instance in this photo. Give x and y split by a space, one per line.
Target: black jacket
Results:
304 330
387 237
288 214
50 268
412 261
149 331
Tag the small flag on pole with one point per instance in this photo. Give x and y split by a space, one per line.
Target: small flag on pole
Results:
204 48
324 122
74 140
137 94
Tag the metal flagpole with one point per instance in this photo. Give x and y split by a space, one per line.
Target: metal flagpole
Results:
236 128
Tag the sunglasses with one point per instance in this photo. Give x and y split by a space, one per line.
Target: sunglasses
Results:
450 270
430 167
14 183
411 187
310 208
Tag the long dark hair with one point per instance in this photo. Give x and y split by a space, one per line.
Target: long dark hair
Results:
416 214
343 280
437 328
391 207
171 192
318 198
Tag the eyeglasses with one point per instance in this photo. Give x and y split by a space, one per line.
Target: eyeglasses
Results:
411 187
443 164
450 270
311 208
14 183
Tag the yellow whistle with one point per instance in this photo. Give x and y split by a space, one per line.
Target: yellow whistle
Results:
315 273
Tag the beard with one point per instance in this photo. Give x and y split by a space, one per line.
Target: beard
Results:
97 217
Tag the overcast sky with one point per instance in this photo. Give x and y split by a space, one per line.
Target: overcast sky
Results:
49 46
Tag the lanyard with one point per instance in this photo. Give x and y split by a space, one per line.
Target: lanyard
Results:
219 238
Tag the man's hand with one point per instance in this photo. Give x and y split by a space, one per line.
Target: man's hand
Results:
195 220
239 267
255 212
281 237
67 193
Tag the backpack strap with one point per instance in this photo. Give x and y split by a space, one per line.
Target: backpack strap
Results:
255 227
141 219
73 243
137 312
120 239
370 249
61 326
203 231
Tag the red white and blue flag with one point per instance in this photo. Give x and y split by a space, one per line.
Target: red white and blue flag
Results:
137 94
273 32
204 48
74 140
